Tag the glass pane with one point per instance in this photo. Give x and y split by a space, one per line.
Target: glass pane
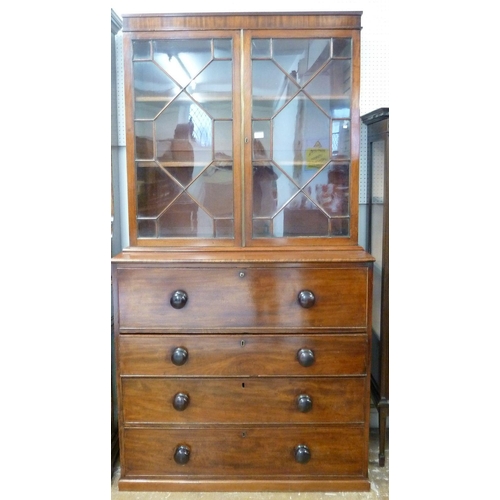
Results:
224 228
377 199
303 218
151 85
331 89
261 48
146 228
148 109
182 59
271 89
155 189
265 192
223 49
298 128
340 227
202 132
330 190
212 89
377 226
213 190
262 140
197 128
342 47
301 58
341 139
182 174
144 140
301 122
262 227
141 49
223 140
179 219
184 128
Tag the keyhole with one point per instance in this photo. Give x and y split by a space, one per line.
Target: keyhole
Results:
243 343
243 385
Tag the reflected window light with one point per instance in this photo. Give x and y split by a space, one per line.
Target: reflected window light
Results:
335 137
202 126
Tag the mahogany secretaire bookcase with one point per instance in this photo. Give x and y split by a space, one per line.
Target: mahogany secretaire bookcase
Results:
243 304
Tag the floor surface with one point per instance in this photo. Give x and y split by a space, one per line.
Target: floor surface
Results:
379 478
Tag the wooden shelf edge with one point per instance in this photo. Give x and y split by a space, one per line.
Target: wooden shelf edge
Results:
250 484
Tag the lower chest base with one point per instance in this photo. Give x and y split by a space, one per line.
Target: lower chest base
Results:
241 485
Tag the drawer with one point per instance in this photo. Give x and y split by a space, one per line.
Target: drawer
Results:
241 298
237 355
243 400
242 451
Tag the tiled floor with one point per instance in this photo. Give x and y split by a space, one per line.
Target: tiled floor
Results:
379 478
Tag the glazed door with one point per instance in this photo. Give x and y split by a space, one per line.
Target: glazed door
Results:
301 159
186 117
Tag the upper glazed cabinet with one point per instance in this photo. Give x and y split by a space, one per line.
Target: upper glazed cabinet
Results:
244 129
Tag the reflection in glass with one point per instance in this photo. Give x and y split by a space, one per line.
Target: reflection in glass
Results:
216 100
301 128
183 125
223 49
144 140
223 139
301 58
182 60
141 49
331 89
155 189
261 48
331 190
341 138
342 47
377 198
311 131
179 218
213 190
271 89
153 89
262 137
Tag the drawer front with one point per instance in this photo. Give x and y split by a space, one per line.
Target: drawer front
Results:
236 355
243 400
241 298
245 451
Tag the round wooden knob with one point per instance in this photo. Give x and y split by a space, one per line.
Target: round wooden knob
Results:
304 403
181 455
306 298
305 357
179 356
302 454
181 401
178 299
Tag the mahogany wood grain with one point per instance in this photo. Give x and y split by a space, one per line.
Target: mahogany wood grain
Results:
241 297
268 20
243 355
245 451
242 400
245 484
286 256
242 325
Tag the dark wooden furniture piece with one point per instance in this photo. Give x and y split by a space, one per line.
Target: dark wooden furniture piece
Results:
243 305
377 238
